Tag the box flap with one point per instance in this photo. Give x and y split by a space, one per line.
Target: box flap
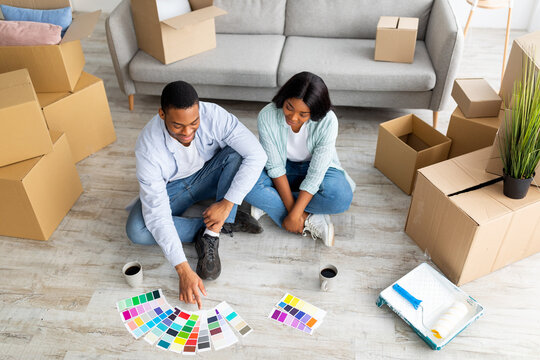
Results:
18 170
408 23
478 89
194 17
37 4
427 133
81 27
388 22
496 192
460 173
480 205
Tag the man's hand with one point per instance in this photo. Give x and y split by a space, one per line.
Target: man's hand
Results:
189 285
294 224
216 214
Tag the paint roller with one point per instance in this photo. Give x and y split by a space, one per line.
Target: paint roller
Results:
446 323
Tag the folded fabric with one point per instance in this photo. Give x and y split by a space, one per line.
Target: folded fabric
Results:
171 8
26 33
61 17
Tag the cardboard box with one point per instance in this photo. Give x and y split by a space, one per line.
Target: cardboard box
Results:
52 67
405 145
460 216
23 131
469 135
476 98
37 193
522 47
396 39
176 38
494 164
83 115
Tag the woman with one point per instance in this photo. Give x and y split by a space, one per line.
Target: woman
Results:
303 181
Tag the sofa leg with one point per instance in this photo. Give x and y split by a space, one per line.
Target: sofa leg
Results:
435 118
131 99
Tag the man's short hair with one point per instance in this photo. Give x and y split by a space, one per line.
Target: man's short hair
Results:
311 89
178 95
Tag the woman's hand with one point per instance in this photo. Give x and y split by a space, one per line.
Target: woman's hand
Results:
294 224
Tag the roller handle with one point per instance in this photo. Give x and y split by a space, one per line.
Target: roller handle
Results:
401 291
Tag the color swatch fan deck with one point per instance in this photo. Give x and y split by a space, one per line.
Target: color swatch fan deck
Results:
297 313
177 330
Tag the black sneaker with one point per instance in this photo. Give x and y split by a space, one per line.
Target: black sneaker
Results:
243 222
209 265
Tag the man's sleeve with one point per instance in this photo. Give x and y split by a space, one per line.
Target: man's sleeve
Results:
237 136
156 209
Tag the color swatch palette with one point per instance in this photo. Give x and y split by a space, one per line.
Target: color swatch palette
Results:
297 313
233 318
220 332
178 330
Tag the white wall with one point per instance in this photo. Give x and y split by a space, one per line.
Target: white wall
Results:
525 14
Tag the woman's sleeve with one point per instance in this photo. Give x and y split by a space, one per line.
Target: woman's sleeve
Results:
270 141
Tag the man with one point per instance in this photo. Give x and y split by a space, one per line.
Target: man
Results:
192 151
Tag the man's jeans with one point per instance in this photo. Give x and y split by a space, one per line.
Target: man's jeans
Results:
210 182
334 195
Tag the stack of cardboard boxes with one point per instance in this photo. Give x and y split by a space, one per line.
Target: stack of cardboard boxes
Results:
52 114
458 212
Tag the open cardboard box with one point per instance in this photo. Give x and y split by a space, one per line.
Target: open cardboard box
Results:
37 193
459 215
396 39
53 68
84 116
469 135
23 131
405 145
526 46
176 38
476 98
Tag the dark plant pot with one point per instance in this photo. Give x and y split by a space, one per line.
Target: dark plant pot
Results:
516 188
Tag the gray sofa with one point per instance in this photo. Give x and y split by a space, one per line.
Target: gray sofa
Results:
262 43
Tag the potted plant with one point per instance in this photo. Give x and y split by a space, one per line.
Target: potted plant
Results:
519 140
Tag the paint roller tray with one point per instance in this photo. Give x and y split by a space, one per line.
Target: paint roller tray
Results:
437 294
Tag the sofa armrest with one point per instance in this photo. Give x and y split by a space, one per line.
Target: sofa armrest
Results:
122 44
444 42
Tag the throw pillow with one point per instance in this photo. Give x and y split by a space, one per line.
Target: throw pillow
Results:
27 33
60 17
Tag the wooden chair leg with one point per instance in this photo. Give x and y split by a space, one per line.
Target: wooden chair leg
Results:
131 99
435 118
507 36
469 19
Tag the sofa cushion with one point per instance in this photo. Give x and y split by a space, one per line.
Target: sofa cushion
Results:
347 64
350 18
251 17
25 33
238 60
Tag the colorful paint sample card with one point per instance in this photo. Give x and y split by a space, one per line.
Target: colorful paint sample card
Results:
149 308
177 328
203 342
221 334
138 300
289 320
140 325
162 327
309 315
185 340
233 318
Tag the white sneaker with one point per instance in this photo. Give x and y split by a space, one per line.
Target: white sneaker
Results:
256 212
320 227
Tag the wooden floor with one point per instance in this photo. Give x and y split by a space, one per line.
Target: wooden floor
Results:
57 298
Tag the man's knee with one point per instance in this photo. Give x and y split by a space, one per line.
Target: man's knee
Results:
138 235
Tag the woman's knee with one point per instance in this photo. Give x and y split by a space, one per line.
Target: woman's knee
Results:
338 198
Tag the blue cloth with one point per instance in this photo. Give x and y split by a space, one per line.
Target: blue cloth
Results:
210 182
333 197
157 163
61 17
